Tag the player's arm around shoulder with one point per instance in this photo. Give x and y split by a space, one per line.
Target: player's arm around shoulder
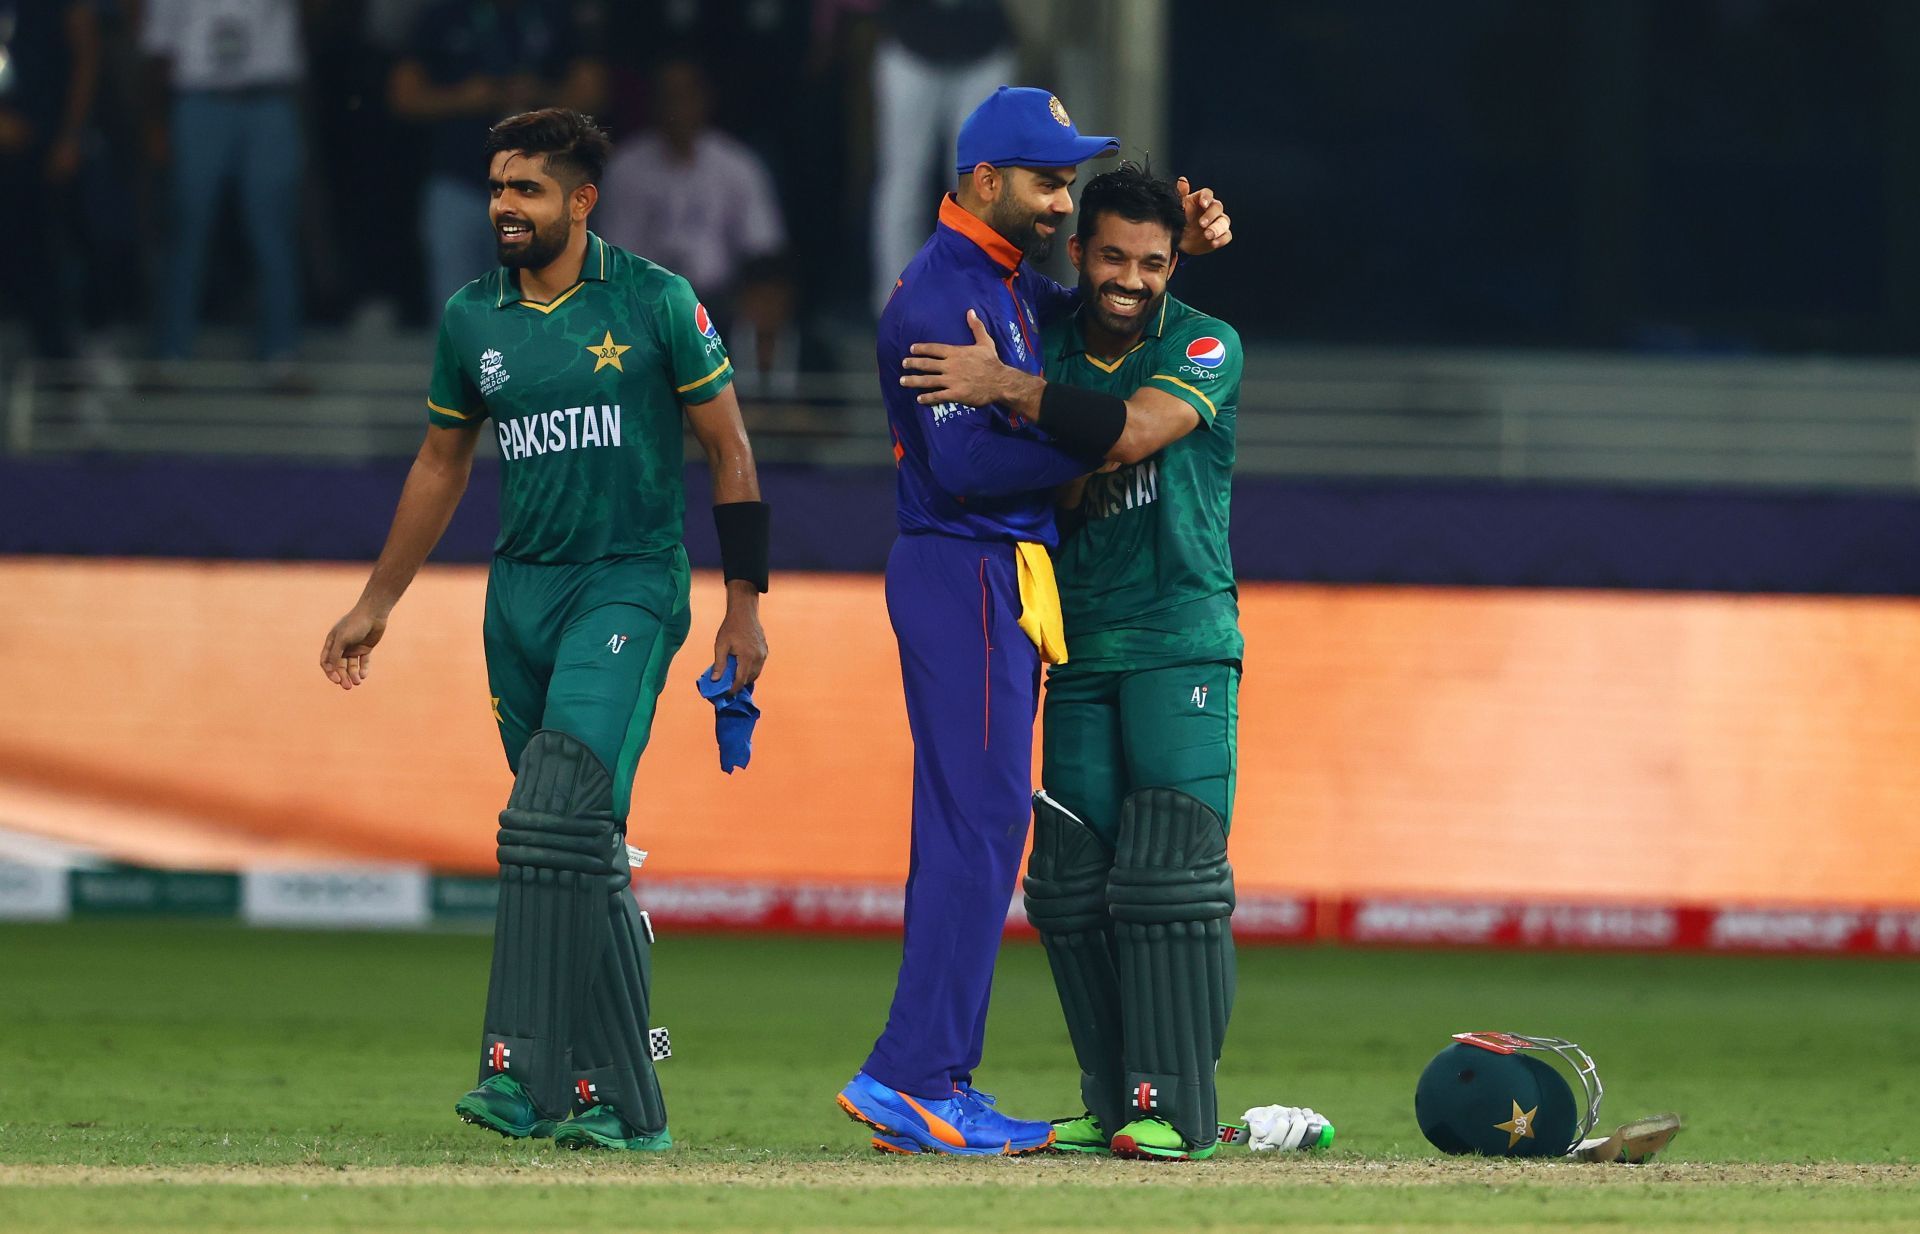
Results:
1198 374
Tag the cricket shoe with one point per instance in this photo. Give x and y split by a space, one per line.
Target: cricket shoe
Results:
598 1126
959 1126
1023 1135
501 1104
1154 1139
1081 1135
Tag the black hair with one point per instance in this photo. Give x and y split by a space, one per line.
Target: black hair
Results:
575 147
1136 195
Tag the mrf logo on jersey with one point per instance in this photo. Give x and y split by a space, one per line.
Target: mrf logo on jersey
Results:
703 322
1205 355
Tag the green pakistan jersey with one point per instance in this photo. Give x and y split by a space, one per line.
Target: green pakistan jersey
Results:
1146 578
585 394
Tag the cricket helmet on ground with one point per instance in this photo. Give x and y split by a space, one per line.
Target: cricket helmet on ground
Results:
1490 1093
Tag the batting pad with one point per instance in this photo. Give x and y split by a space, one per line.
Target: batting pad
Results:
615 1050
1066 900
560 855
1171 897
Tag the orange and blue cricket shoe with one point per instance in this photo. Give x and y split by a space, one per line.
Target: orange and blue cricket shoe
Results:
963 1125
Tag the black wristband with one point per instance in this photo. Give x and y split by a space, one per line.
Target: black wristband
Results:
1085 422
744 528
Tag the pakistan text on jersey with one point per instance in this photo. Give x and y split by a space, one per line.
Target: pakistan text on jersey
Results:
1129 488
549 432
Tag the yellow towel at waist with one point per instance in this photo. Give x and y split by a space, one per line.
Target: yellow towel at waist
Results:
1040 615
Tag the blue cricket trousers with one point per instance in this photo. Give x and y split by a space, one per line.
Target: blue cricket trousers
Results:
973 685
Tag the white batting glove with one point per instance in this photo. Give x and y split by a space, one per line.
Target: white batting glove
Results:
1271 1127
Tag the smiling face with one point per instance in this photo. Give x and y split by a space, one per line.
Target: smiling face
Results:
1124 267
1029 206
533 214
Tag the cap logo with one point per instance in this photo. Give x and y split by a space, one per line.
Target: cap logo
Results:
1059 112
1208 352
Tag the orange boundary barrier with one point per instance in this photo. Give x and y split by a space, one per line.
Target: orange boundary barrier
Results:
1395 742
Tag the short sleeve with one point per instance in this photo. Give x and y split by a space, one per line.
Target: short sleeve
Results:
696 357
452 398
1200 363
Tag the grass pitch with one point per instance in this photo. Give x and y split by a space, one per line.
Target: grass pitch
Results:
178 1075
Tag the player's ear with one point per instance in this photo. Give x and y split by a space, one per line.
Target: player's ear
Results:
1074 250
584 199
986 181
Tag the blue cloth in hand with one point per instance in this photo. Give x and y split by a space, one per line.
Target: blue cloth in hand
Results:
733 718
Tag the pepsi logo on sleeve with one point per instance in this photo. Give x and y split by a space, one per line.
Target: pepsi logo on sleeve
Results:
1207 352
703 322
1205 355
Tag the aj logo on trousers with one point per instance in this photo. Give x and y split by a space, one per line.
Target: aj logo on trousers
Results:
1200 697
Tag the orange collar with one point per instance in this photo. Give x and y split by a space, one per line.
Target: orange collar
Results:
992 243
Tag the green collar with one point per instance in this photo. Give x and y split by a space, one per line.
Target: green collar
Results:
1074 342
592 270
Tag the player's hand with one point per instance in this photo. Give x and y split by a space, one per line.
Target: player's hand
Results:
967 373
347 656
741 637
1208 225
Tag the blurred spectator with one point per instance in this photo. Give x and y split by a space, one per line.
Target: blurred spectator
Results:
49 72
702 204
233 69
936 60
467 64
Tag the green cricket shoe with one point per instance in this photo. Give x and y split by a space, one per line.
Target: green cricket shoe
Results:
1081 1135
1155 1139
599 1127
501 1104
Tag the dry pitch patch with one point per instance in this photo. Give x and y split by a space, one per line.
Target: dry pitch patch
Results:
932 1172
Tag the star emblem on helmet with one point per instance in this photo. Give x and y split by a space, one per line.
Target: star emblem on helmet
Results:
1520 1126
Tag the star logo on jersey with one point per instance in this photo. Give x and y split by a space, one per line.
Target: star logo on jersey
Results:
608 352
497 718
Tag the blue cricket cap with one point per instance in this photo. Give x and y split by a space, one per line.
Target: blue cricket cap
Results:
1019 126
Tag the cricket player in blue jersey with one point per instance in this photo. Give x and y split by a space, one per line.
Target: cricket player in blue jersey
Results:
971 595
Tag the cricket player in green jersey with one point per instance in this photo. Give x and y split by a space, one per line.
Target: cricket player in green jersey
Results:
580 360
1128 883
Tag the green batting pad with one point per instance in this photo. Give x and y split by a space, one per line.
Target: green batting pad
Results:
1066 901
1171 897
612 1063
560 856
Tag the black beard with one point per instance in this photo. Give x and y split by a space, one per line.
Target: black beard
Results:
541 248
1123 327
1022 230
